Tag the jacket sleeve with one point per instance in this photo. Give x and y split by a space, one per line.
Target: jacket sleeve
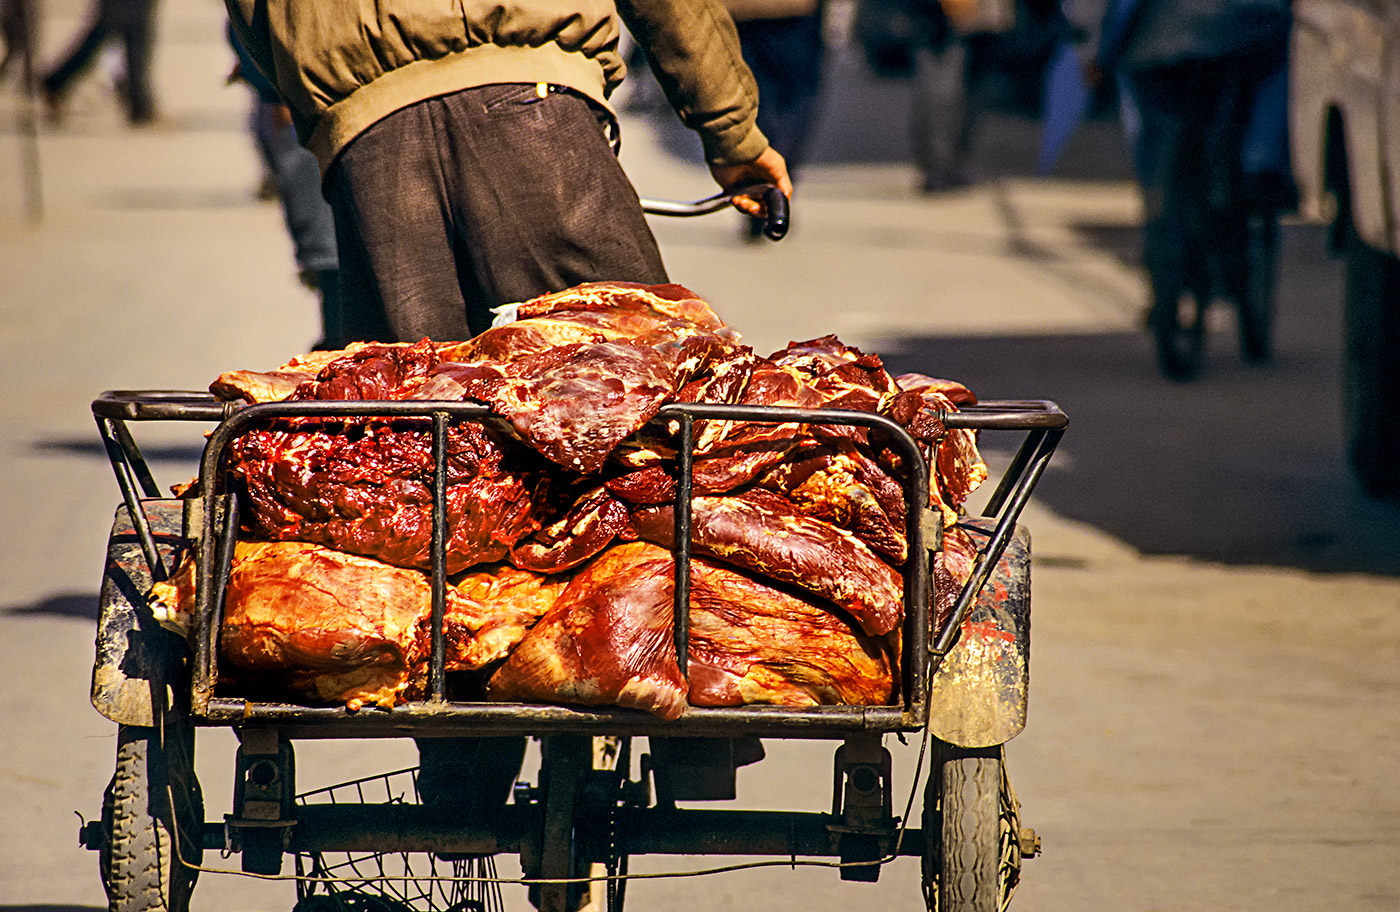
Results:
694 50
247 19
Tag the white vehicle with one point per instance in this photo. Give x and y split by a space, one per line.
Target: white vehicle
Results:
1345 124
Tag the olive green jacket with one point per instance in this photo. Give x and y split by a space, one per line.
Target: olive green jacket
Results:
342 65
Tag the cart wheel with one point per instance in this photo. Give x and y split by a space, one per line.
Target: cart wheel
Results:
152 800
972 834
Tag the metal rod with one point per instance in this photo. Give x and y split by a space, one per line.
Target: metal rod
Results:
454 718
684 486
438 671
1011 415
228 535
986 561
916 588
1012 476
640 831
120 458
135 459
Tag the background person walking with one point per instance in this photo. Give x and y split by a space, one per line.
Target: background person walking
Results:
133 21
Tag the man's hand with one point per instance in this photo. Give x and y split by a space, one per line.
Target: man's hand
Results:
768 168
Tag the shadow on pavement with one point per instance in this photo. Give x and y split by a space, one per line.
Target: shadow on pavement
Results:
84 605
93 448
1244 465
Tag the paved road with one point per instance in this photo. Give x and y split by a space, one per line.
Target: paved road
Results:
1217 611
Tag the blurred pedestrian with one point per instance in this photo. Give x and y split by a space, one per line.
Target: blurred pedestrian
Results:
931 43
16 18
296 180
133 21
783 45
452 145
1199 73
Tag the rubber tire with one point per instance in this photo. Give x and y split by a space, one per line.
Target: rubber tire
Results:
963 806
1371 368
137 863
1256 301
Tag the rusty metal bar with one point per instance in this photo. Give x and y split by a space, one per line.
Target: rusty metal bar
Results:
437 673
639 831
681 549
987 559
121 457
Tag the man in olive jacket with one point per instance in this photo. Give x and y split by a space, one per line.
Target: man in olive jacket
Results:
468 149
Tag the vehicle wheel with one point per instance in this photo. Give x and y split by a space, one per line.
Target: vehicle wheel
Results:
1180 332
1256 299
972 858
153 800
1371 368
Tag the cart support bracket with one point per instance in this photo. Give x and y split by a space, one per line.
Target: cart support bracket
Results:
861 804
264 796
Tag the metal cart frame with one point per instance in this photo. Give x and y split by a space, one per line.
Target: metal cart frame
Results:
159 691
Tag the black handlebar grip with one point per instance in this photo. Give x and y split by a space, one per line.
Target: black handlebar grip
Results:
777 217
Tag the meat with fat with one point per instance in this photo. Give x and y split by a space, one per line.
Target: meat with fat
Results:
764 533
610 640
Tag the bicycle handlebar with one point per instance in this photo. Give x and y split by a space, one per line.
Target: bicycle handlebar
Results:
776 219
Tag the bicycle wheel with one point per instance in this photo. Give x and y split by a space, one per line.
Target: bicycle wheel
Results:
1256 297
972 832
153 801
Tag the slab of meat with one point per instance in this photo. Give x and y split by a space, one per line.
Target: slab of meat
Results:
487 615
839 483
589 314
845 376
733 453
618 303
956 466
589 526
325 626
609 640
368 490
751 642
331 627
764 533
575 403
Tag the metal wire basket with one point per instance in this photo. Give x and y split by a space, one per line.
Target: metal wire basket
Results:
390 881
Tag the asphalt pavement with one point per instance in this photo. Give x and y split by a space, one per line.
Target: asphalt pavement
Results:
1217 609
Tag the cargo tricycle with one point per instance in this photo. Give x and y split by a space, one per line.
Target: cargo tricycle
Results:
598 798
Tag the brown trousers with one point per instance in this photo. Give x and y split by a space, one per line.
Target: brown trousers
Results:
488 196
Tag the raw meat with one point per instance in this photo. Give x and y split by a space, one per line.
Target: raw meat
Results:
610 640
764 533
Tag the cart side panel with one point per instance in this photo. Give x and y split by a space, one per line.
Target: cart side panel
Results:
979 693
134 653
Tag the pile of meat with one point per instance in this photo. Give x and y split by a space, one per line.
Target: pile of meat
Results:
560 513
